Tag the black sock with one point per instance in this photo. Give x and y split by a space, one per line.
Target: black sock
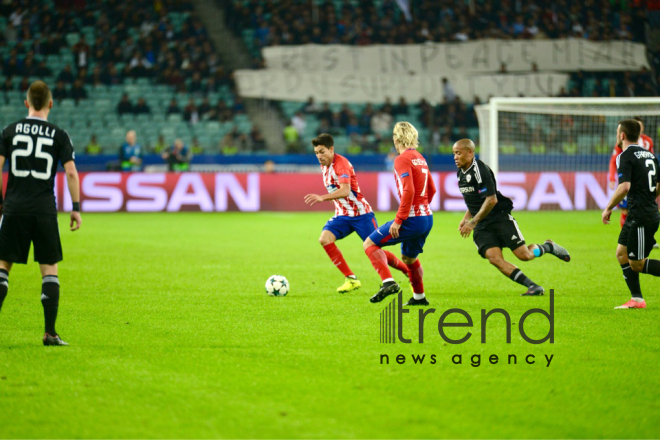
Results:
4 285
520 278
652 267
632 280
50 299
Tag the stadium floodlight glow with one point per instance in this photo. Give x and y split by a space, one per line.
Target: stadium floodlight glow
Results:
553 134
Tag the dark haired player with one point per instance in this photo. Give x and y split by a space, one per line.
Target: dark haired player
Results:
489 215
352 211
33 146
646 143
638 179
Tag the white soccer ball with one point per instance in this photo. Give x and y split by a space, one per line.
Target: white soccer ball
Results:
277 285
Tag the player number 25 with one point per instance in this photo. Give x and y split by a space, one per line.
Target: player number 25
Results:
39 154
651 174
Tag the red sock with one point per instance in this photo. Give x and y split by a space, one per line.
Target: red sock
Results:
623 218
379 262
394 262
416 273
337 258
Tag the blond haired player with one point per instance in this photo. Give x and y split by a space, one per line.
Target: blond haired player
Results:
413 221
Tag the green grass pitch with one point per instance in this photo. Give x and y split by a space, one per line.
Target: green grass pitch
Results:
173 336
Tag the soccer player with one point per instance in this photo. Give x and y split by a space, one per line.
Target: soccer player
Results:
352 211
638 179
413 221
489 215
646 143
33 147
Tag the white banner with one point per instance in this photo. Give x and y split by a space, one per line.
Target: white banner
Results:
349 87
483 56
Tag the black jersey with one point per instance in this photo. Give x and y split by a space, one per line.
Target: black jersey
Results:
477 183
640 168
32 147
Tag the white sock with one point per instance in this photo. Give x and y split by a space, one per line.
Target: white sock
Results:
388 280
639 300
418 295
352 276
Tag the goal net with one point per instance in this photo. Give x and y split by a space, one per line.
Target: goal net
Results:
554 153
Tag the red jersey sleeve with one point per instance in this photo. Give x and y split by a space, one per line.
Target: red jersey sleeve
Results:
612 172
650 144
431 189
343 171
404 177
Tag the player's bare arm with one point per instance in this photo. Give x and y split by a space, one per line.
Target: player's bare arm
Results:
74 190
466 218
487 206
619 194
343 191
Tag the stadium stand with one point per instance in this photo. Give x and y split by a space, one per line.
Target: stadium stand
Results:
161 52
262 23
154 51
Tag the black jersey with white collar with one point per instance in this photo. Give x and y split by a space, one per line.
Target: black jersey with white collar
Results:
478 182
640 168
32 148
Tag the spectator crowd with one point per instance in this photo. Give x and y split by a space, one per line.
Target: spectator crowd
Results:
164 42
133 40
368 22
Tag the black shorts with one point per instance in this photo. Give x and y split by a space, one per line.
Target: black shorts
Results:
638 239
18 231
500 232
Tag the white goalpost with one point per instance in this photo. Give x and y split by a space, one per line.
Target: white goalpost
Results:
564 139
497 127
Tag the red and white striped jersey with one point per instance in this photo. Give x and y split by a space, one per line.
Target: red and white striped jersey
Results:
341 171
414 185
